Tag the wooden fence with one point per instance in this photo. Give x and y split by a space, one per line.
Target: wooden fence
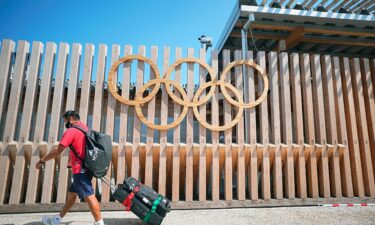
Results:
311 140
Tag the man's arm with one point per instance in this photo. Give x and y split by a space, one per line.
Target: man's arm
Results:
51 155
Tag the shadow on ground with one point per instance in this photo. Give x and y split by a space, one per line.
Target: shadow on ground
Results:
109 221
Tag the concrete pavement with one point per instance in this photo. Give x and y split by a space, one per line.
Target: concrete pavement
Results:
277 216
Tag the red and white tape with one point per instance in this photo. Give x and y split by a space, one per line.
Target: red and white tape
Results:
347 205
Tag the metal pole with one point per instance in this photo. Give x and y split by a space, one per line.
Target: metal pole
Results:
245 75
245 82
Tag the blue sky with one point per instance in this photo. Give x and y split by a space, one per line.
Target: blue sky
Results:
135 22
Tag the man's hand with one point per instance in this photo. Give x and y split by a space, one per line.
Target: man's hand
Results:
51 155
39 164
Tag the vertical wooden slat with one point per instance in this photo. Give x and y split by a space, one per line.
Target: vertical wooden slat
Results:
368 92
275 150
364 145
253 167
320 128
16 91
346 176
123 132
264 134
286 127
98 98
176 137
97 110
333 150
86 87
73 76
310 154
86 82
298 150
163 134
137 122
150 132
228 135
7 50
110 117
351 124
202 135
55 120
19 169
189 130
241 192
215 173
70 105
12 112
44 101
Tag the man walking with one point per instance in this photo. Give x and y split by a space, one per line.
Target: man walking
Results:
81 185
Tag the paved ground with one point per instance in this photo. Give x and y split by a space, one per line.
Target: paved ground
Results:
279 216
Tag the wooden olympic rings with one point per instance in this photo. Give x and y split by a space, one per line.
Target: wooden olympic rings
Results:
113 87
255 66
185 101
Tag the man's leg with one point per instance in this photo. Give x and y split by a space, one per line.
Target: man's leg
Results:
69 203
94 207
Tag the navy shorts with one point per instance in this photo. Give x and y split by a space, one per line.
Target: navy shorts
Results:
82 185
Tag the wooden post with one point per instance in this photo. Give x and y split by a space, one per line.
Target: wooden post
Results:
100 75
368 93
286 127
86 88
298 150
275 149
364 145
351 125
19 169
320 128
150 132
215 136
137 122
97 111
346 176
119 155
176 138
58 94
241 173
333 149
44 101
264 135
228 136
253 167
310 154
16 91
7 51
163 134
202 136
189 130
70 105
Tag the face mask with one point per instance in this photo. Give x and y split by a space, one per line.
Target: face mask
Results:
68 125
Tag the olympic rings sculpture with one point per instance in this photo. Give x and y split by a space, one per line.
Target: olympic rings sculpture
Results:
185 102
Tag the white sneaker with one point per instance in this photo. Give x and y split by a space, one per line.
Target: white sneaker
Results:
100 222
51 220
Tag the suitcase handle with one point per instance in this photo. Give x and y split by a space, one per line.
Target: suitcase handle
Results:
110 184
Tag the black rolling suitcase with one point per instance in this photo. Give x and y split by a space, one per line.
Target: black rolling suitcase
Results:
142 200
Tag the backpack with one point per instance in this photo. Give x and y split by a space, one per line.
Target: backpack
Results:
98 152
